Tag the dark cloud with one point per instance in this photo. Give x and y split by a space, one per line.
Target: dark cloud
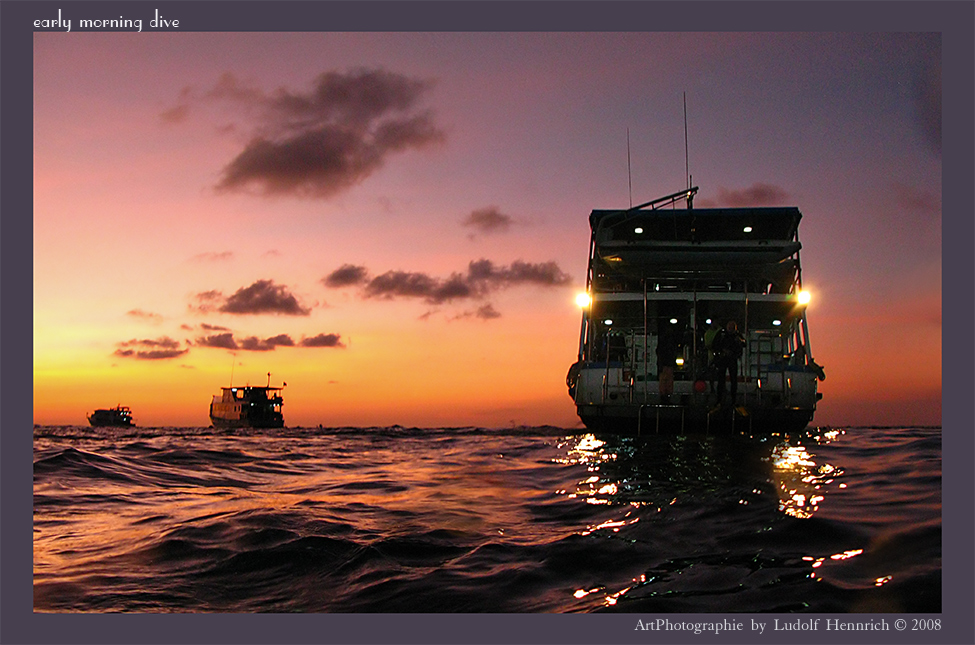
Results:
262 297
487 312
346 275
220 341
403 284
255 344
545 274
325 140
488 220
322 340
482 278
758 194
150 349
208 327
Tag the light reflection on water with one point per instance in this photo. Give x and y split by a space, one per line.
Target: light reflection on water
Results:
800 481
635 476
474 520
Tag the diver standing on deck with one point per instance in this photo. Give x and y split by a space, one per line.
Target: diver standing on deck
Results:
727 346
666 359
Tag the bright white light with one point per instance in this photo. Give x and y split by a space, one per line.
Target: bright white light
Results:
804 297
583 299
607 322
680 361
638 230
708 321
776 322
747 229
673 321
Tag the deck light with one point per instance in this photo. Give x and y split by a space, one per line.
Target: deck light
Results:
673 321
747 229
679 361
804 297
583 300
607 322
638 230
776 322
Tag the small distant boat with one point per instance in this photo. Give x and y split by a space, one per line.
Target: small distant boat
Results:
248 407
661 281
119 416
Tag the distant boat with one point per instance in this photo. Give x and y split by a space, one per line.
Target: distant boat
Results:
120 416
248 407
661 283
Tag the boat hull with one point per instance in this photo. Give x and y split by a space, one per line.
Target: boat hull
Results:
687 420
219 422
119 417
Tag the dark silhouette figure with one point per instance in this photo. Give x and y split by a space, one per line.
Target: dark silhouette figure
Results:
666 359
727 346
712 369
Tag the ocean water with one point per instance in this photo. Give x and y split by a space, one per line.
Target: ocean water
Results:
474 520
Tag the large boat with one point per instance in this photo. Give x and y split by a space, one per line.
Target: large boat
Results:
120 416
248 407
667 289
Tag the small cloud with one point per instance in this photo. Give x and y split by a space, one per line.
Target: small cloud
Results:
150 349
484 312
262 297
208 327
346 275
176 114
488 220
487 312
144 315
213 257
322 340
758 194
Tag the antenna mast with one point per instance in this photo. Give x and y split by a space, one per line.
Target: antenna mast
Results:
629 174
687 171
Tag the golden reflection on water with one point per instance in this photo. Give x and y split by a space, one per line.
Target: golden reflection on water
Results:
799 480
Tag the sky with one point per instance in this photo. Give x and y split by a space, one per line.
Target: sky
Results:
396 224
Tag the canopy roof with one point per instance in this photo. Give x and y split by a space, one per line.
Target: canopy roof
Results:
696 225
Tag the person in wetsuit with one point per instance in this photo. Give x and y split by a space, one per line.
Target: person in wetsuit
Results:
727 346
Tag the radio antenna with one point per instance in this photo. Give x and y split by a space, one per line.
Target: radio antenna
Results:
687 170
629 173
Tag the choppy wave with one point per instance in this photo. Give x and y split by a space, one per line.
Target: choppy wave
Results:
474 520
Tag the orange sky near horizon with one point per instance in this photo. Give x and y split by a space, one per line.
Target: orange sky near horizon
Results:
188 223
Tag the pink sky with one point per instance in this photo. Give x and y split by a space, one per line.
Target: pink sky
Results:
178 211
